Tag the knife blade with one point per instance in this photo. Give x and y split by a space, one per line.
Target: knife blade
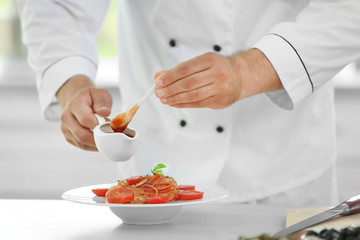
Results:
347 207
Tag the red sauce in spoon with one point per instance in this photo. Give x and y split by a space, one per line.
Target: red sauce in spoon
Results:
121 121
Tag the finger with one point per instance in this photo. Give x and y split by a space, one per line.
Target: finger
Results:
184 69
84 116
158 73
102 101
191 96
191 82
205 103
70 139
81 135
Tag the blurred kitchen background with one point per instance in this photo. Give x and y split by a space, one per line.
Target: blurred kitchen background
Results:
37 162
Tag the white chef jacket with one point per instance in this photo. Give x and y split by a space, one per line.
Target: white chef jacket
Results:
260 146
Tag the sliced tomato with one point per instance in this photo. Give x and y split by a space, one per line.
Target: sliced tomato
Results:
164 189
186 187
158 199
100 191
135 179
120 195
190 195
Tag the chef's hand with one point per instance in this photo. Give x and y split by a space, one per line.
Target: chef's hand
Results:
215 81
79 100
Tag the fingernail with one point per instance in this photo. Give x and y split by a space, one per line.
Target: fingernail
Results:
159 82
160 92
157 74
164 100
104 108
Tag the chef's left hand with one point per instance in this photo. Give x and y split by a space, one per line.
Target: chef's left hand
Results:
215 81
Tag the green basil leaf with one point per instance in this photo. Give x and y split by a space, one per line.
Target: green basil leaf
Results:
157 170
160 165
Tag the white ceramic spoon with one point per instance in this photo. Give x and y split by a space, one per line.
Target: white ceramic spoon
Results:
121 121
118 146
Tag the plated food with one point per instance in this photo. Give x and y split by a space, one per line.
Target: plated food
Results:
149 189
142 214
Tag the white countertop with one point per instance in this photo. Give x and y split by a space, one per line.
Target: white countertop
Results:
58 219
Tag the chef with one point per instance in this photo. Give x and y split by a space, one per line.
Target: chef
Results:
244 96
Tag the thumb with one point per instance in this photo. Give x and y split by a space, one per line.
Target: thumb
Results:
102 101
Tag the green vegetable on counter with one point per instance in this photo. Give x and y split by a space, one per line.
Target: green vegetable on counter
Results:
266 237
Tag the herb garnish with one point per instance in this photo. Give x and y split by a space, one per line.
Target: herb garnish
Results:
157 169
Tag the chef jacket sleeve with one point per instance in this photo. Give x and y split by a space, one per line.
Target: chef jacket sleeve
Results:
309 51
59 35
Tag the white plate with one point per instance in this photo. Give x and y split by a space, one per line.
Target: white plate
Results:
142 214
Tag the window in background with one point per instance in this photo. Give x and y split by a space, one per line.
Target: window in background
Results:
106 40
106 43
14 69
10 44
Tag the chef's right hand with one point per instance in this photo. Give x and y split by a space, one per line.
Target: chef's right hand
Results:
79 100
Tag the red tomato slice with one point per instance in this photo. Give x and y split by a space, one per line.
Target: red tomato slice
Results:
135 179
165 189
190 195
158 199
186 187
100 191
120 195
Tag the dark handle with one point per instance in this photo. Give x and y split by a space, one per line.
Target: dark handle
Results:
353 205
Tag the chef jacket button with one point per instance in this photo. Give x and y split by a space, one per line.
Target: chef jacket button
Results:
219 129
172 42
183 123
217 48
